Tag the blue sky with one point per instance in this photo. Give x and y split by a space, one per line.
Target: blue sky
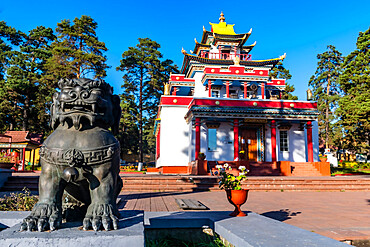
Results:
301 29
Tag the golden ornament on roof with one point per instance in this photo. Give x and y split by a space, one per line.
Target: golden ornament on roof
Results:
222 18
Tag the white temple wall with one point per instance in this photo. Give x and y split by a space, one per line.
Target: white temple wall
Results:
315 140
268 147
297 145
225 143
174 137
199 90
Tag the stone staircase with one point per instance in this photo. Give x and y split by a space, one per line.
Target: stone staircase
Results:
263 169
18 183
304 170
158 183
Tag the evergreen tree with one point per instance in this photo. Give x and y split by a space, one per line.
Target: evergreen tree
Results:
326 92
279 71
143 79
354 106
10 38
77 52
25 82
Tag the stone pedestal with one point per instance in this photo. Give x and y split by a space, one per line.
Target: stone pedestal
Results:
130 233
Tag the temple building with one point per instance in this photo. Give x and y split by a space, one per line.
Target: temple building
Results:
224 107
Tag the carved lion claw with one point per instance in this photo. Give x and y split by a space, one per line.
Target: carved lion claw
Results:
99 215
43 217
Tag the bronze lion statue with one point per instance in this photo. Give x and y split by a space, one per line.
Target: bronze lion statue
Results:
80 160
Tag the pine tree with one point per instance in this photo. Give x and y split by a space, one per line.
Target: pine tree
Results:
326 92
25 80
77 52
143 79
10 39
279 71
354 106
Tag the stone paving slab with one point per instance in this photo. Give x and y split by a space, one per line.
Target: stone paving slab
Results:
338 215
130 233
252 230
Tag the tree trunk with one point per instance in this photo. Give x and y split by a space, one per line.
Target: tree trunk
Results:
141 116
25 115
327 115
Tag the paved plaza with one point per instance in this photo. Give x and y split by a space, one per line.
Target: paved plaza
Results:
338 215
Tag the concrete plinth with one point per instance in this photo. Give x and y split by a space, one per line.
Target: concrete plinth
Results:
130 233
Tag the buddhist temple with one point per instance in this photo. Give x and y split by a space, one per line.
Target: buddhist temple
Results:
225 107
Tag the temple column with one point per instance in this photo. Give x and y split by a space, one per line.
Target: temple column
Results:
263 90
236 139
309 142
273 141
210 88
197 137
23 158
174 91
227 83
245 84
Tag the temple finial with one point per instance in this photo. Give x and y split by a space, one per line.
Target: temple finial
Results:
222 18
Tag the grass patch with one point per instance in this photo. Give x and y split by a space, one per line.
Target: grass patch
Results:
173 242
22 201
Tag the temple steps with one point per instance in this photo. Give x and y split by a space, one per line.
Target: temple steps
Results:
304 170
18 183
168 183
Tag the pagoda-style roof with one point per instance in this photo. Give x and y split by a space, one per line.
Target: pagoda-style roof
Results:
202 60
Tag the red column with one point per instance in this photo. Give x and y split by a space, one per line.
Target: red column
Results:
263 90
209 88
309 142
174 91
158 151
23 158
197 137
273 141
245 90
236 139
227 89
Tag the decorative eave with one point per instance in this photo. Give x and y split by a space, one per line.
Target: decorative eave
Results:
199 46
248 48
253 63
259 109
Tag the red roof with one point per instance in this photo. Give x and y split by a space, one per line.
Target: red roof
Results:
21 136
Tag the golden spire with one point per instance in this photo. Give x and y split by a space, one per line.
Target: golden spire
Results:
222 18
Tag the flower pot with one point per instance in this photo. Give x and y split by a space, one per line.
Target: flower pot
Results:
237 198
323 159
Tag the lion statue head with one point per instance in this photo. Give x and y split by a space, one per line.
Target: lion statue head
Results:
85 103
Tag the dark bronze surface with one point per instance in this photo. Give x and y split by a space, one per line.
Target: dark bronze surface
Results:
80 160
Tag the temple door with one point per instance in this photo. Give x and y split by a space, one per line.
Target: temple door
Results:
249 143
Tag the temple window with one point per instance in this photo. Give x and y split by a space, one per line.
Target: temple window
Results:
284 144
216 93
212 139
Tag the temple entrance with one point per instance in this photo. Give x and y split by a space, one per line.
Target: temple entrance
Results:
248 143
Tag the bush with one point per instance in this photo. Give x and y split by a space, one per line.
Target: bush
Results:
22 201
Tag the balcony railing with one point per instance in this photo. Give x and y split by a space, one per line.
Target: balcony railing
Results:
226 56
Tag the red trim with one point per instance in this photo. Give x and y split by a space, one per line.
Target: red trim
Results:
170 100
276 82
273 141
238 70
263 90
236 139
260 103
180 78
309 142
197 137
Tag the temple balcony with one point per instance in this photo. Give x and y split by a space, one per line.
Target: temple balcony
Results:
225 56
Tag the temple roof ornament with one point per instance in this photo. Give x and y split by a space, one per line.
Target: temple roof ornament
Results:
222 27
